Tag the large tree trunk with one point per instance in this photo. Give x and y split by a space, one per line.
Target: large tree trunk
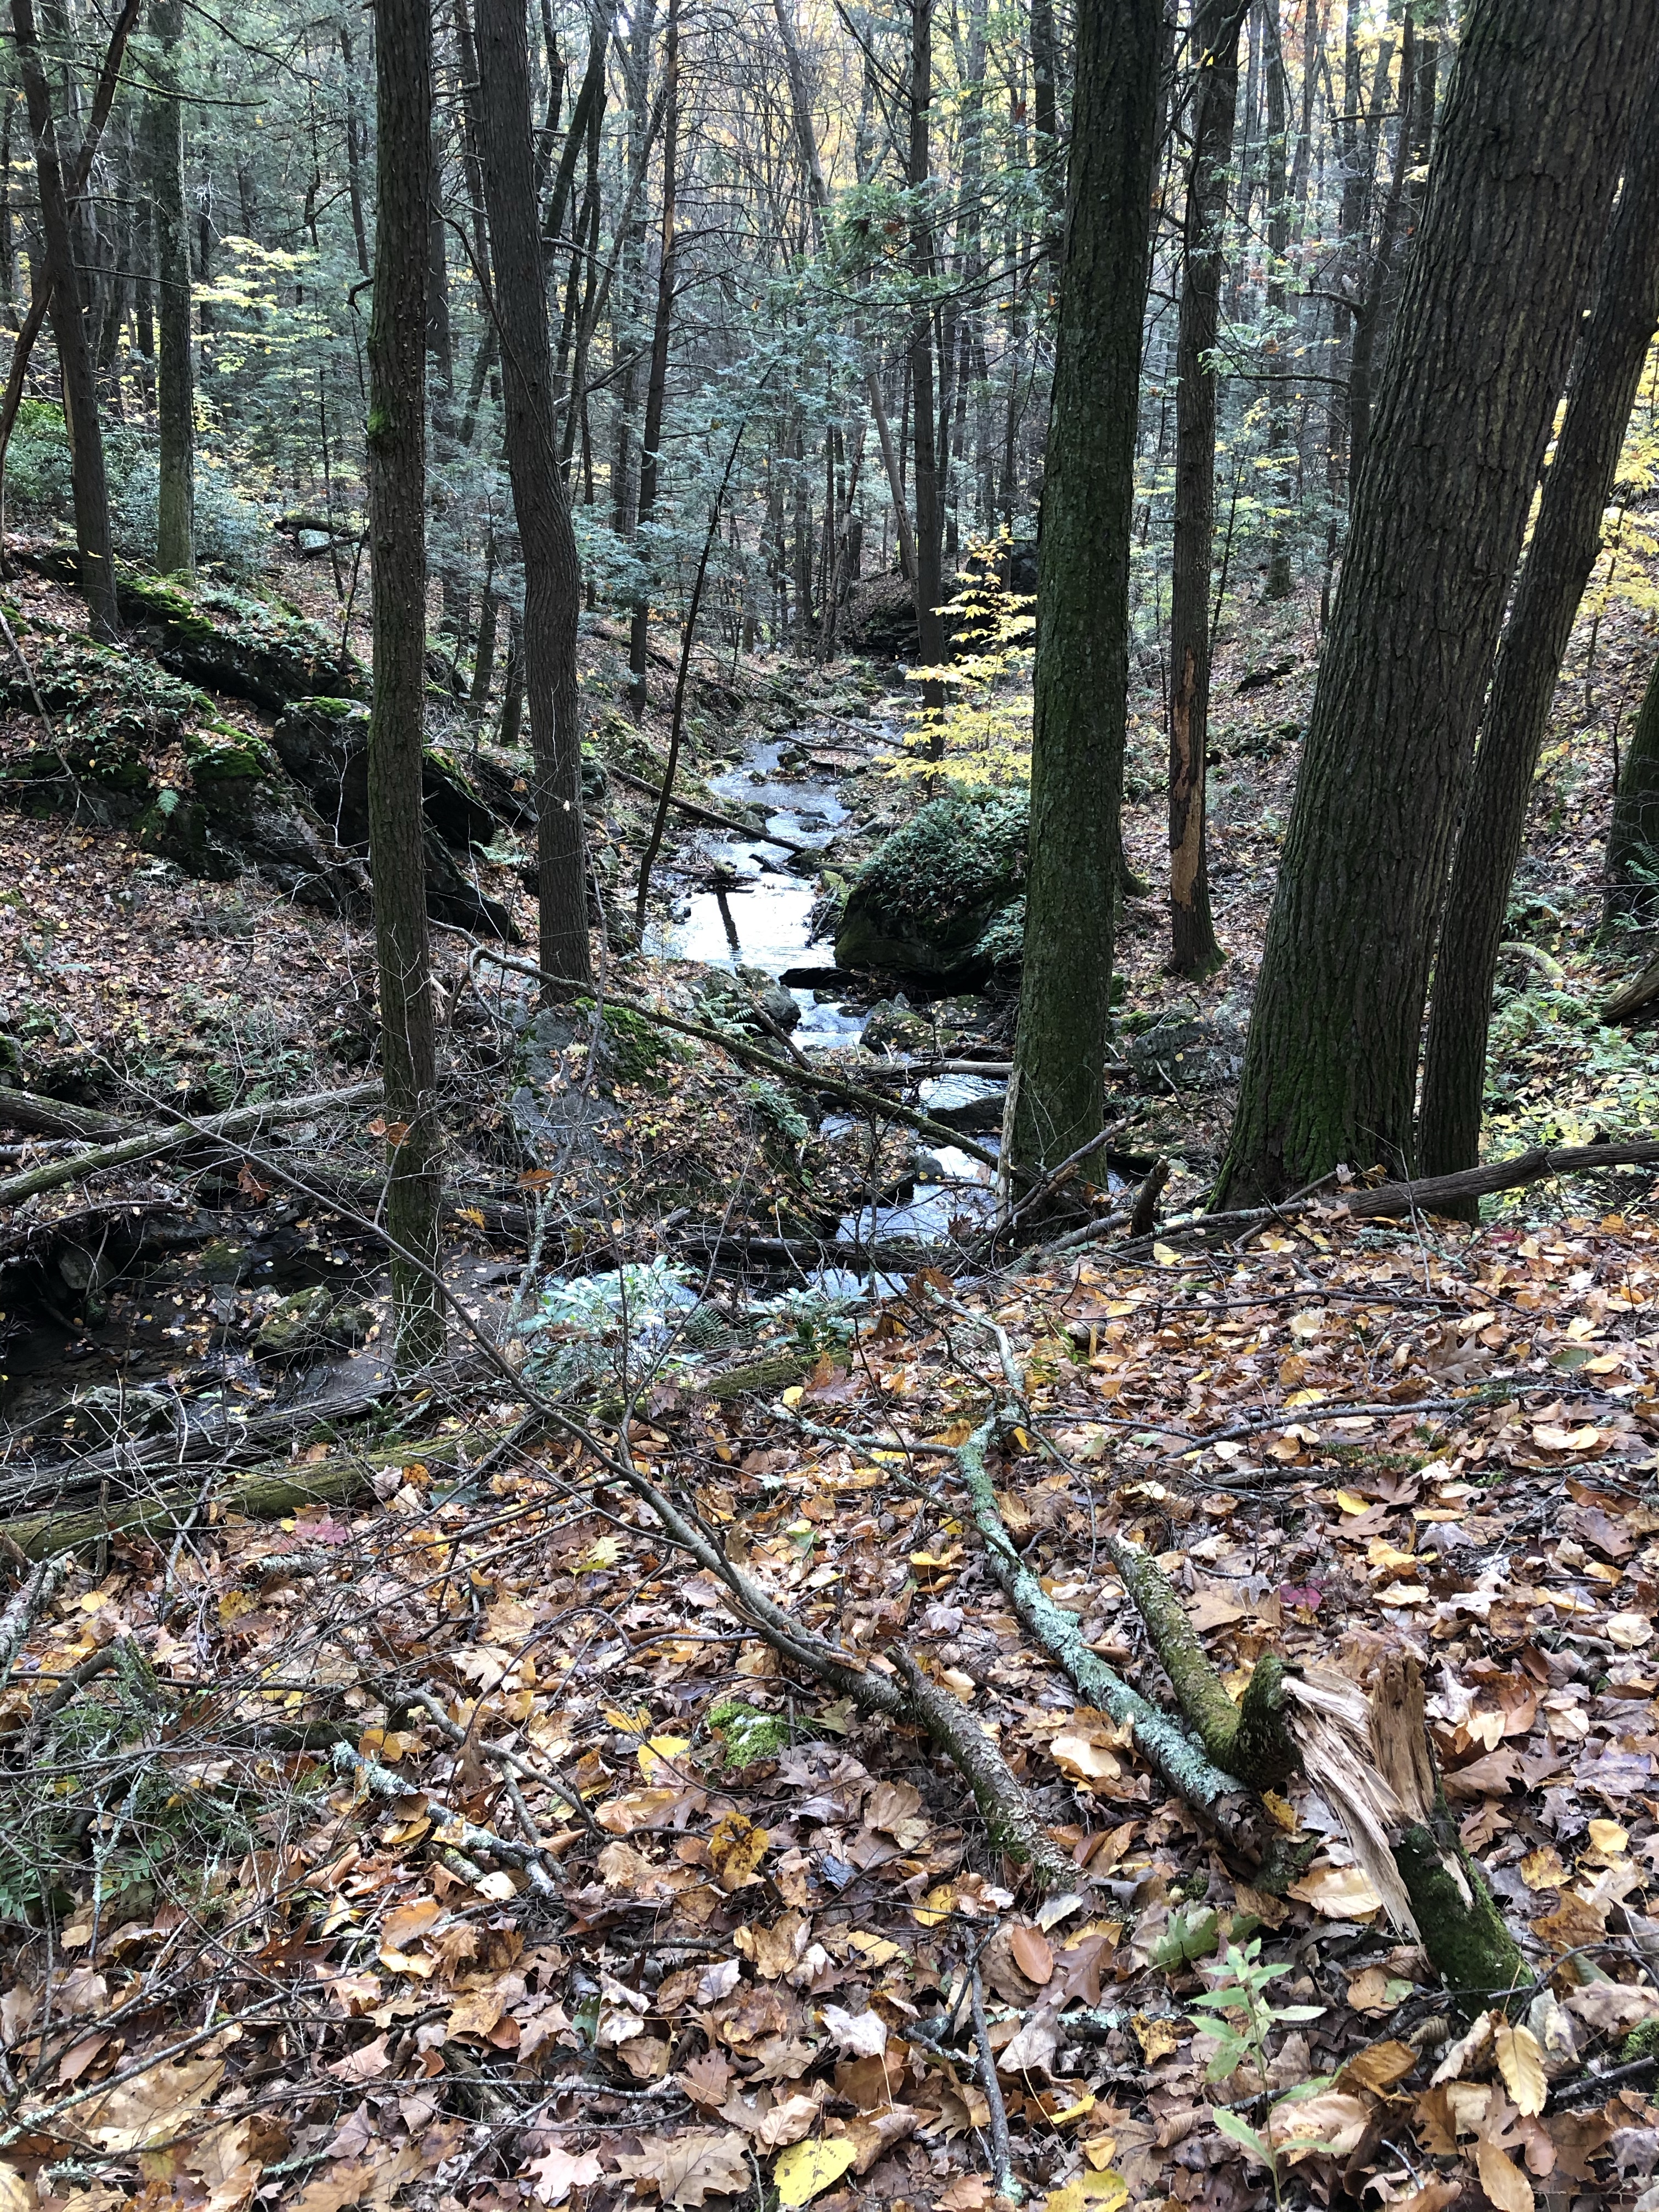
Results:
639 642
930 522
1565 540
552 572
1083 590
1632 894
1522 185
88 483
1194 950
175 402
396 509
1277 584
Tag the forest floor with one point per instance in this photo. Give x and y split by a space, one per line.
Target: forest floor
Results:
449 1841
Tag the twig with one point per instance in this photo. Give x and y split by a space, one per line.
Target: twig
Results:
25 1608
1002 2156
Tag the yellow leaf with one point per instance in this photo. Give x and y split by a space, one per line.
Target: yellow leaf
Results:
1379 2065
1166 1256
1283 1811
1350 1504
1501 2180
792 1396
660 1750
1069 2199
1157 2038
1608 1838
736 1848
627 1720
805 2170
1105 2190
936 1907
1073 2113
471 1213
1520 2062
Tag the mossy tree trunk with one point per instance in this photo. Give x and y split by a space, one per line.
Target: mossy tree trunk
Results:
397 514
1056 1094
89 484
1566 541
930 519
1194 950
1520 188
547 541
175 402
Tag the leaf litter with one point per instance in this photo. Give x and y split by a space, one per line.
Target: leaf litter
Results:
461 1849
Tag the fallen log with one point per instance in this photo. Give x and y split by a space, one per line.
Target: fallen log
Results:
54 1117
266 1494
708 814
1429 1194
1636 998
151 1144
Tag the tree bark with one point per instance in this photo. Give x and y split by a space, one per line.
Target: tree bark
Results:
175 389
1565 540
1081 680
1522 182
1194 950
90 485
1279 326
397 513
639 641
547 541
930 568
1632 894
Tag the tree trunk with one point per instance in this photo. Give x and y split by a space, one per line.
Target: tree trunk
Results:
1194 950
1081 681
639 642
930 535
1522 182
354 148
1045 116
1565 540
175 392
1367 328
1632 894
89 485
552 571
1280 327
397 505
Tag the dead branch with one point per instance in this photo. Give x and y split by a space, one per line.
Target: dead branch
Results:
150 1144
1636 998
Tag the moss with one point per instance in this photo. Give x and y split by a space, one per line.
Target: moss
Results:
936 897
1641 2042
747 1735
638 1051
221 752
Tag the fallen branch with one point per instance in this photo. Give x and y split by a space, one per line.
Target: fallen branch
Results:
1231 1809
455 1829
150 1144
710 814
24 1610
1431 1194
1636 998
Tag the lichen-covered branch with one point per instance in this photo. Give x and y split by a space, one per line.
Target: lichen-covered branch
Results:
1248 1739
1197 1779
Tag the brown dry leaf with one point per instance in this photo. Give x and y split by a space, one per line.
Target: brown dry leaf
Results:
1378 2067
152 2106
646 2057
736 1848
1337 1892
875 2134
1573 1923
1501 2178
1520 2062
1612 2008
775 1951
368 2063
17 2195
1432 2197
1032 1955
969 2192
790 2121
1086 1750
1332 2122
637 1809
707 2079
556 2173
404 1923
1542 1869
689 2168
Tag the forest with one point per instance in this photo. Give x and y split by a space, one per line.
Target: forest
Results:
829 1105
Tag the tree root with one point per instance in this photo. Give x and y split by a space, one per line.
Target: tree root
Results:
1198 1779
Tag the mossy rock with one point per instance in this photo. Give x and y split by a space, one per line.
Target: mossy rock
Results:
252 648
106 783
239 814
99 696
938 899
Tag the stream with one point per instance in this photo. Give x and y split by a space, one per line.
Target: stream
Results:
760 917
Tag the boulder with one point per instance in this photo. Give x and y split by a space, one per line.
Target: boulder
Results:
941 898
259 649
240 812
1189 1051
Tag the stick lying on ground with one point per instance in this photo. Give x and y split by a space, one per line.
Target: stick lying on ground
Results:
53 1117
1387 1200
708 814
150 1144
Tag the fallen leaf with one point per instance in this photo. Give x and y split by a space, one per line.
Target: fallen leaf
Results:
1332 2122
1032 1955
1629 1631
1378 2067
557 2172
688 2168
1500 2177
1158 2037
1337 1892
806 2170
736 1848
1520 2062
860 2035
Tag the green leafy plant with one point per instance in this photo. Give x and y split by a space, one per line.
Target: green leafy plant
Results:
1238 2129
1238 2015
